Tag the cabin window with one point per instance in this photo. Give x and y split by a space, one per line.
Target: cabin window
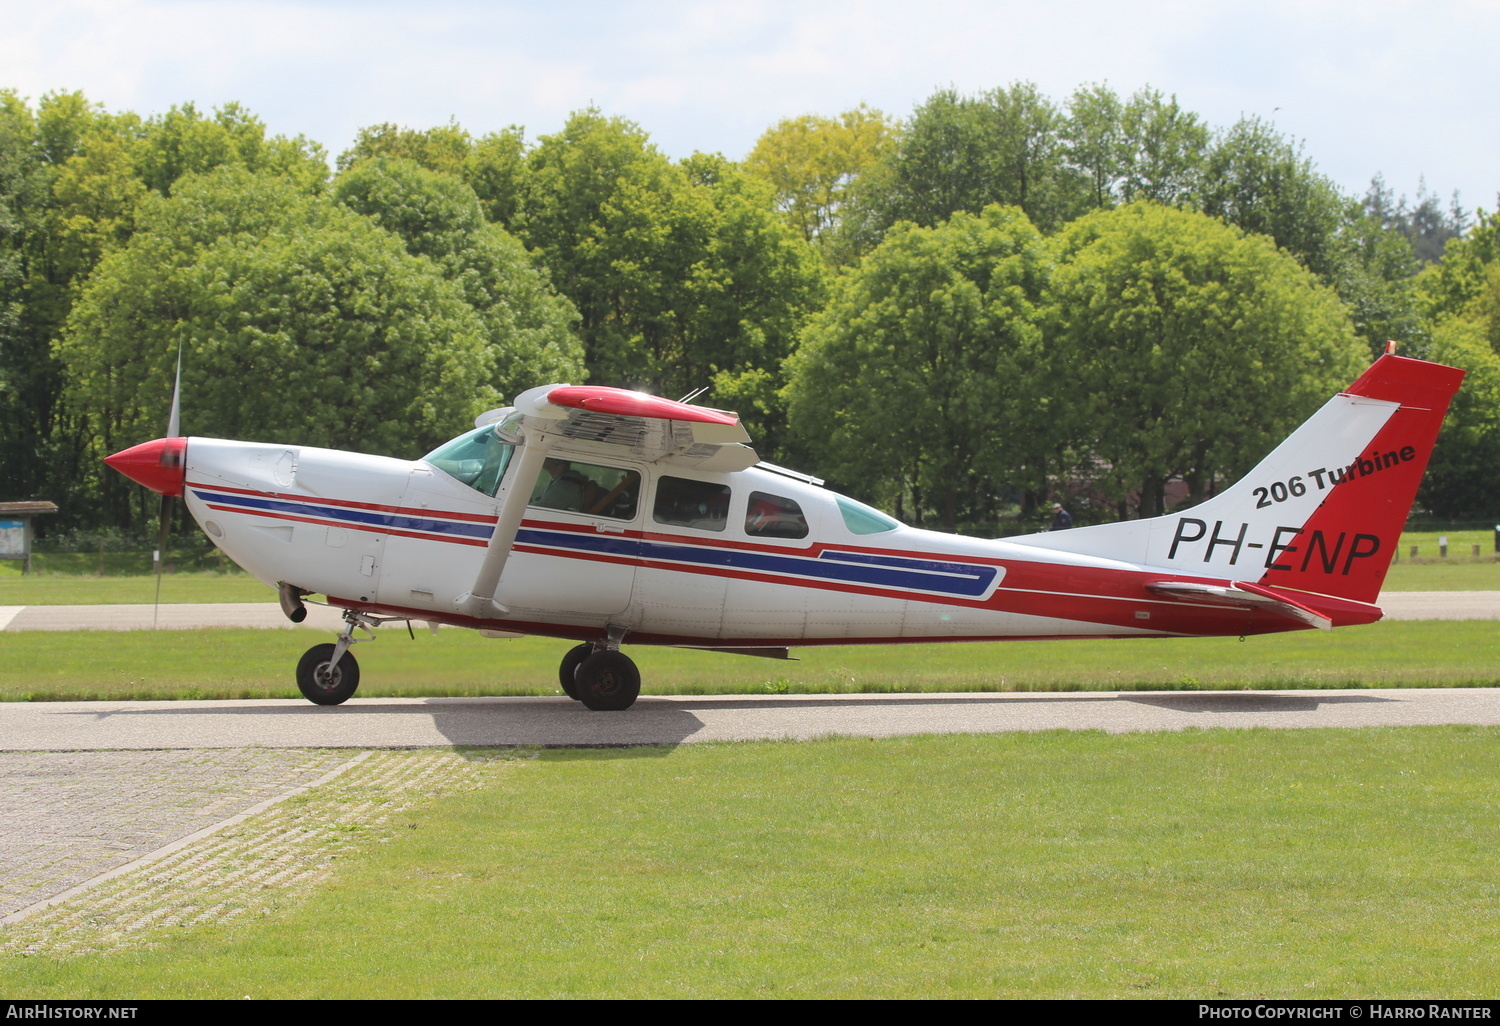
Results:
477 459
681 502
861 519
574 487
771 516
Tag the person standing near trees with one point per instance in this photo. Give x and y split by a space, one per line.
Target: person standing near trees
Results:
1061 518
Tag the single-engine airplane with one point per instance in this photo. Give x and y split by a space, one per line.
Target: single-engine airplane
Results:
610 517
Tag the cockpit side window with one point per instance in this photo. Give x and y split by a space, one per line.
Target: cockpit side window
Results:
682 502
477 459
574 487
771 516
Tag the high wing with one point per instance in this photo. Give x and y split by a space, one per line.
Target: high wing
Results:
593 419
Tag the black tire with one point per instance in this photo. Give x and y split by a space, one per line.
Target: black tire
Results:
608 681
320 686
567 673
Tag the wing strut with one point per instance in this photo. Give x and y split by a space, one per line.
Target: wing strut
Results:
480 600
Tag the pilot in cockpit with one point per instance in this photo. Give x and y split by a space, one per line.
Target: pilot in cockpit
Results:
566 489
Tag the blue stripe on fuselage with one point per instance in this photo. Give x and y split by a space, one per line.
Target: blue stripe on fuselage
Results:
353 517
966 580
959 579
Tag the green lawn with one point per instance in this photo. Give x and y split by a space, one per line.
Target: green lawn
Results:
1204 864
60 590
97 665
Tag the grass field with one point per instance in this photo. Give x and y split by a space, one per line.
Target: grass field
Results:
1257 864
99 665
64 590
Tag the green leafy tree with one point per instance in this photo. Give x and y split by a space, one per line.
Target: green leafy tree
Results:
22 188
813 162
299 320
1093 137
1450 287
1163 149
915 385
86 174
1424 224
1185 348
496 170
963 153
1460 300
604 214
527 324
679 273
1259 181
1460 479
1372 269
444 148
41 256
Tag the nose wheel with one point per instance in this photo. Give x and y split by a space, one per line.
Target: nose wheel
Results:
325 681
328 674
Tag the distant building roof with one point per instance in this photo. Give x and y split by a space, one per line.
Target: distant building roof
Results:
26 509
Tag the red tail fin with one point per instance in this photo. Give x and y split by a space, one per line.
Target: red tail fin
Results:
1346 546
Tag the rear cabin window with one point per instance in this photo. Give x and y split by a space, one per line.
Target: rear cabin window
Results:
861 519
771 516
682 502
587 488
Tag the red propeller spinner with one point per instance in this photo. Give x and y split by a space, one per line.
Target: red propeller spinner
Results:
160 465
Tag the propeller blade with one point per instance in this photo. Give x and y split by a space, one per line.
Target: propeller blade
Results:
174 418
163 514
163 517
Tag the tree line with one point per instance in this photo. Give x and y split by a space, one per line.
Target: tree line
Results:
960 315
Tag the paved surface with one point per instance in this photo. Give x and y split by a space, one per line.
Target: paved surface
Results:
672 720
187 616
1400 605
68 817
1441 605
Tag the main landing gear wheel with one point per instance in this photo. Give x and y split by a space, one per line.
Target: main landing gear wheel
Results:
323 683
567 673
607 681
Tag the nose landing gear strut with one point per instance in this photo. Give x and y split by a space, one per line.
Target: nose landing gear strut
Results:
329 674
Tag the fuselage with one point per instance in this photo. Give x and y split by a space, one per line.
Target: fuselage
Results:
752 558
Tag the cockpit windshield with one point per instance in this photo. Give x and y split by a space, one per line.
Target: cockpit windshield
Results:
478 459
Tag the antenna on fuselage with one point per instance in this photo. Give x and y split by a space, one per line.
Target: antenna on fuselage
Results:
693 395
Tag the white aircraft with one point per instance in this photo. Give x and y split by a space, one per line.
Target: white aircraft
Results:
611 517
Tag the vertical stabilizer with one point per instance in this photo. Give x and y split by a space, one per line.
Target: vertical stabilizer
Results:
1322 513
1345 547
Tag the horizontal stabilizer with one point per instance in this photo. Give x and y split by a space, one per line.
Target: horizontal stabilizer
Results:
1243 595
